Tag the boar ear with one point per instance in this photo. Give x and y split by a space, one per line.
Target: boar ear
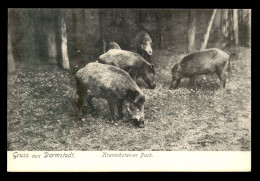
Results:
132 95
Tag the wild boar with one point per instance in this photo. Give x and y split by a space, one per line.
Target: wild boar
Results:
143 45
204 62
132 63
113 84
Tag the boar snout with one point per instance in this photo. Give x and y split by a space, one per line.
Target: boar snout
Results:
152 86
139 123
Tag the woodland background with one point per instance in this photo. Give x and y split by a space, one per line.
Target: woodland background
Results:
37 33
47 46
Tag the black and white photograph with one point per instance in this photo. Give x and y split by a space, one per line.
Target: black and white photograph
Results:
129 80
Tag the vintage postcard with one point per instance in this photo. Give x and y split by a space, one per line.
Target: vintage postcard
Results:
129 90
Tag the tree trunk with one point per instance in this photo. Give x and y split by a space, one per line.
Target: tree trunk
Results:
191 31
158 19
64 47
235 25
74 30
11 64
52 45
10 60
230 26
224 22
244 25
249 28
139 20
39 35
240 25
206 35
80 39
17 33
102 36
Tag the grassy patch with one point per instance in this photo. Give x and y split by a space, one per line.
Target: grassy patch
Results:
42 113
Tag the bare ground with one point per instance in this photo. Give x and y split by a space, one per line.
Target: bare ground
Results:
42 113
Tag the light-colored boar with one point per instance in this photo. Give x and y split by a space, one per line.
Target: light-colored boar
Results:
204 62
132 63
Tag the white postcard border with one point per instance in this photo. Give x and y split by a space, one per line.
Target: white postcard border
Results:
128 161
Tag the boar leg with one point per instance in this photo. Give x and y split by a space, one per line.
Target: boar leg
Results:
90 104
120 109
79 106
222 77
171 84
178 81
80 100
112 104
192 81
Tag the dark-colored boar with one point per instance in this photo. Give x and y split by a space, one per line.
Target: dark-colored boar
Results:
132 63
113 84
204 62
143 45
113 45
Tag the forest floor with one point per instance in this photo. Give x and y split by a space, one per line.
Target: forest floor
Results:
42 114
